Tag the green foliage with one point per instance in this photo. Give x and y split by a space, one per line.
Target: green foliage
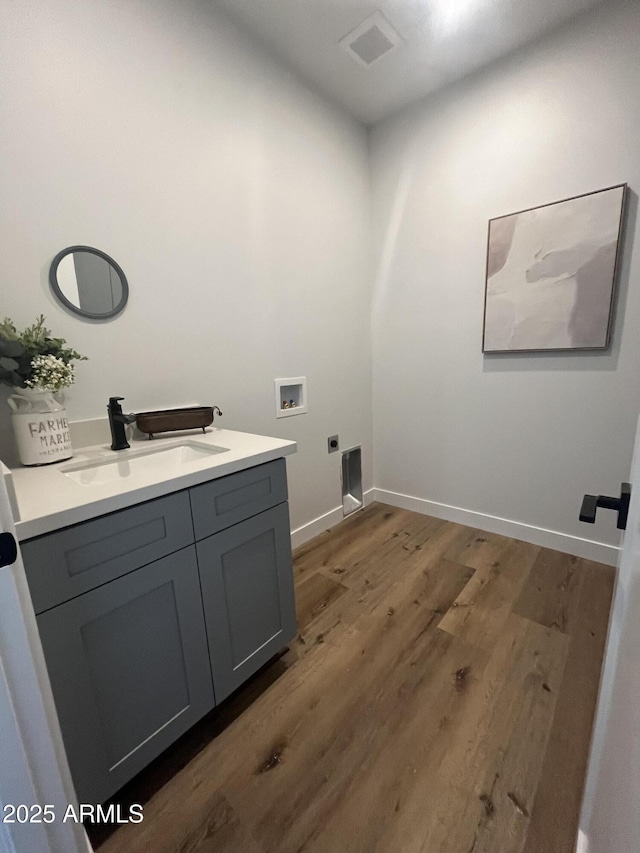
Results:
18 349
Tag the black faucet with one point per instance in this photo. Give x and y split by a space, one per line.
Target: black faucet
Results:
117 420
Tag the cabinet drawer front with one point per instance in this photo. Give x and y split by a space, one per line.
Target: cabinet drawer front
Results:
129 670
247 591
72 561
221 503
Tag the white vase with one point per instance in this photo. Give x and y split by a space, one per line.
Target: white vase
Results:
40 426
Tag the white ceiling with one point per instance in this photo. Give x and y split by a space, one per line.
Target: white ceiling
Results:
443 41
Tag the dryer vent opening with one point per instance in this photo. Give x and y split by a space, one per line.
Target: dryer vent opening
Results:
352 480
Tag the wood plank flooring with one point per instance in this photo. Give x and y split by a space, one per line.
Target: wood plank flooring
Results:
439 698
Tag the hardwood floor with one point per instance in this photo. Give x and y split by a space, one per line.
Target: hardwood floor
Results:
439 698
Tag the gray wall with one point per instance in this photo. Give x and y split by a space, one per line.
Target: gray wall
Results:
235 200
521 438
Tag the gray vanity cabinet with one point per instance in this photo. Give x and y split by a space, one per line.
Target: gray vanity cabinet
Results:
151 615
129 669
222 503
77 559
247 591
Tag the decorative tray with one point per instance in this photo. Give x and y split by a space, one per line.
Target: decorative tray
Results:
167 420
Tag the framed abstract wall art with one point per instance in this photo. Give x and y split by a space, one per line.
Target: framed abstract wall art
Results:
551 274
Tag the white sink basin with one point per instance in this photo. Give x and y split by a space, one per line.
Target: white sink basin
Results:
165 462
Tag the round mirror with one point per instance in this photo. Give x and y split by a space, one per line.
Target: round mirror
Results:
89 282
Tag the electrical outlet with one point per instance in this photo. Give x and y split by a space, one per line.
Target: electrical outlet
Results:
333 443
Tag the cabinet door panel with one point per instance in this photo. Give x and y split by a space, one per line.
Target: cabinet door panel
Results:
229 500
72 561
128 665
247 590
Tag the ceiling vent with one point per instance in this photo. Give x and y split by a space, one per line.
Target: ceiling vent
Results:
372 40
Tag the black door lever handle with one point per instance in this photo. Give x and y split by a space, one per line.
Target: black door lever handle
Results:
8 550
590 504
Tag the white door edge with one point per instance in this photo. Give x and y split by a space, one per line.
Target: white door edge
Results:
33 769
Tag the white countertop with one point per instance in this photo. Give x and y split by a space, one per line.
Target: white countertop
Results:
47 499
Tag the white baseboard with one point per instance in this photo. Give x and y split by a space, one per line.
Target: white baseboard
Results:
582 844
586 548
576 545
314 528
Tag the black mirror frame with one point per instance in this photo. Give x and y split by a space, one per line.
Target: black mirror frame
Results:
55 287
